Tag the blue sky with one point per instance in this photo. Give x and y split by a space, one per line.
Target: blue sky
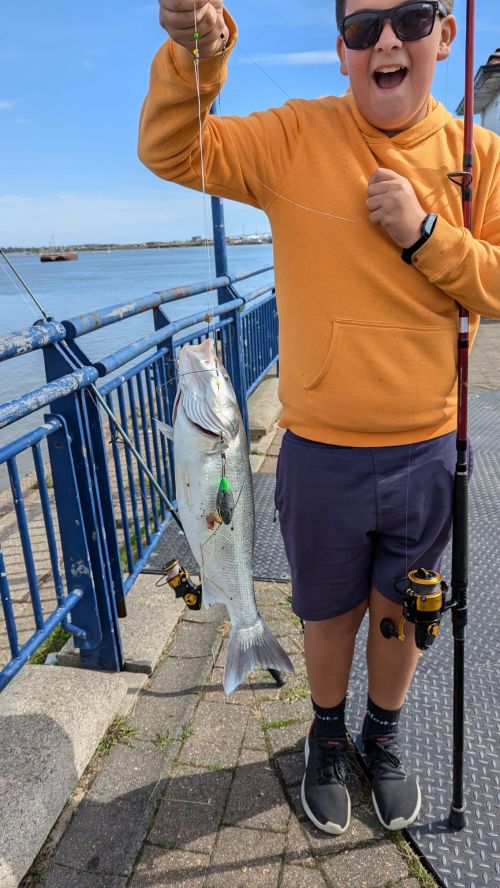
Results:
72 81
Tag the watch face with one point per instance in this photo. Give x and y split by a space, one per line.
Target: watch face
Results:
428 225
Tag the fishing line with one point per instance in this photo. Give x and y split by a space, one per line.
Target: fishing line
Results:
15 284
196 56
25 285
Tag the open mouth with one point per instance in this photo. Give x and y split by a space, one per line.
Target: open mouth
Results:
390 76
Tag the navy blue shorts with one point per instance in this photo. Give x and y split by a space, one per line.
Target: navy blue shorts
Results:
353 517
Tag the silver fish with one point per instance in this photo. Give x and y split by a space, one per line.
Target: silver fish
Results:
213 485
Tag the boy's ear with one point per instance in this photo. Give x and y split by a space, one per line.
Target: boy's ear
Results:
448 34
341 55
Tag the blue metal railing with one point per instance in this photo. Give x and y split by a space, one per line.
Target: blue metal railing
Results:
100 517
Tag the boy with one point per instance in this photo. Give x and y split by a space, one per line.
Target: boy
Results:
370 259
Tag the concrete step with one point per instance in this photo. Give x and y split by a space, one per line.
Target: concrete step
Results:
51 721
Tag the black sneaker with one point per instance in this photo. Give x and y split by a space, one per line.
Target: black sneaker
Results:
324 795
395 794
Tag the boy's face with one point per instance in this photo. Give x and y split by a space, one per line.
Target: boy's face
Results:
394 106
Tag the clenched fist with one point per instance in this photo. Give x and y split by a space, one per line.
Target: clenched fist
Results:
178 19
393 203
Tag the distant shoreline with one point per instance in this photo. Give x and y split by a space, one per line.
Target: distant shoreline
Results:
247 240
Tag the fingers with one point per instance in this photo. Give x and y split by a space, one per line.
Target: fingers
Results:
181 18
383 175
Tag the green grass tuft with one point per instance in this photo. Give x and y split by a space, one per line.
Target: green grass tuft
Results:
119 731
55 642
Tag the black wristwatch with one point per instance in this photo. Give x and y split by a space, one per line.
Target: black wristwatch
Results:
425 232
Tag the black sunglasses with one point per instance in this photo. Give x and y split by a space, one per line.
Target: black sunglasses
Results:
410 21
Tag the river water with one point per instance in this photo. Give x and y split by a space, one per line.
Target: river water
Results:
97 280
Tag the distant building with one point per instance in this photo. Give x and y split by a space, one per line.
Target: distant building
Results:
487 93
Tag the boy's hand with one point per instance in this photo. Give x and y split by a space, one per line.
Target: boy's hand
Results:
177 17
393 203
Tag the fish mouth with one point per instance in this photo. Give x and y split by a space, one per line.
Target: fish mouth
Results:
208 432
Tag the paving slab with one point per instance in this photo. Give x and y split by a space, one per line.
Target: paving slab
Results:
278 711
136 773
214 691
51 720
256 798
169 701
291 767
297 849
105 838
62 877
288 737
190 813
301 877
246 858
364 828
365 867
217 735
195 639
159 868
254 735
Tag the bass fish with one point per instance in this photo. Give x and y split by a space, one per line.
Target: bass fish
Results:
215 500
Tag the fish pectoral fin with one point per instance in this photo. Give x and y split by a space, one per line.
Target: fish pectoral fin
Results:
249 649
165 429
211 593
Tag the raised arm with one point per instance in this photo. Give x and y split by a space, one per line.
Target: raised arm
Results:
244 158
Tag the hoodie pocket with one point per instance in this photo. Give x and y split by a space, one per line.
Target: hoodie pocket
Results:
386 377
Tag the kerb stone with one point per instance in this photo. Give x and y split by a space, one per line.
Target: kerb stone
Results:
51 720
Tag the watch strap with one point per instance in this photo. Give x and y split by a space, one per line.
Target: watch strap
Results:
425 232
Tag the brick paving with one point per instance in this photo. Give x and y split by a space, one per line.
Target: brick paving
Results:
208 794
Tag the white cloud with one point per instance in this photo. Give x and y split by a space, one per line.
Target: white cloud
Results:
295 59
7 104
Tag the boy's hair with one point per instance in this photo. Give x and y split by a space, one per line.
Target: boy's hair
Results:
340 9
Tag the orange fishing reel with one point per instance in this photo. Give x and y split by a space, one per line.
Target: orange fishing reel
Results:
179 579
424 604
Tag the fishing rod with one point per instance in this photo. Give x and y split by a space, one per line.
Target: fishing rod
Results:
460 545
424 591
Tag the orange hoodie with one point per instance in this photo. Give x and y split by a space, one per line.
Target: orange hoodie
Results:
368 344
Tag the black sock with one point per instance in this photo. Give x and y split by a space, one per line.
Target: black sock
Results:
380 722
329 722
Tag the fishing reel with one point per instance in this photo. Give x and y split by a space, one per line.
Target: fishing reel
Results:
424 604
178 578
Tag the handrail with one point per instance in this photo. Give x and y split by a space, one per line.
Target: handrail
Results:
45 333
16 409
30 339
133 350
129 352
87 323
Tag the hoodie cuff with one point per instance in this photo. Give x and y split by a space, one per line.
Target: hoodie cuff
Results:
439 257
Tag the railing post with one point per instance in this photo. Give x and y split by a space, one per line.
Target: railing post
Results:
83 421
226 294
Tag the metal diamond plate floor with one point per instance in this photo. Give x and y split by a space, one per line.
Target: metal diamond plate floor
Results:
269 562
471 858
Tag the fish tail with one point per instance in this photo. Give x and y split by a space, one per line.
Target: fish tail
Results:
251 649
